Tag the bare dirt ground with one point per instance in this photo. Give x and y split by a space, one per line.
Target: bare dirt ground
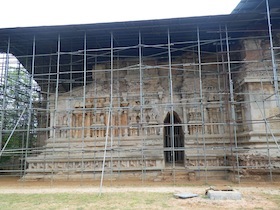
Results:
254 195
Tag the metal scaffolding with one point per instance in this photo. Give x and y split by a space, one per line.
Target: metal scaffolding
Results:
130 102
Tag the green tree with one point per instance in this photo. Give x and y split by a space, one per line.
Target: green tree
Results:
15 97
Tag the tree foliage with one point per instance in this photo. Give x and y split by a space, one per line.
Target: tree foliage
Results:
16 90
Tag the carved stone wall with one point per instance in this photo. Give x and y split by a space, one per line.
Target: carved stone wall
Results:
135 130
256 94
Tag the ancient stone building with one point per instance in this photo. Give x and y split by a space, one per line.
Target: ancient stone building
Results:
188 98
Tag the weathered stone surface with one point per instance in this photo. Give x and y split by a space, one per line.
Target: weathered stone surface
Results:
224 195
139 131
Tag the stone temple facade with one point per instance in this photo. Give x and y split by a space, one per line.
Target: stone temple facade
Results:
175 99
204 138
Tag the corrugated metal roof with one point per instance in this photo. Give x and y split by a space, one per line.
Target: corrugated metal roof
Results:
240 23
256 6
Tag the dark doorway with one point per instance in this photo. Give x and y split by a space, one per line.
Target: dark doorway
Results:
178 134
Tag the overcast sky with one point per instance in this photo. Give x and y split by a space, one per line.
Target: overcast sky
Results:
20 13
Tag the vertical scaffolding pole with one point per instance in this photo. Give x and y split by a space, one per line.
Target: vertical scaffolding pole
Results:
30 104
48 106
201 103
224 116
2 68
111 104
84 102
266 133
232 106
71 75
70 112
94 110
4 92
171 104
109 118
21 156
196 116
274 66
141 78
141 103
56 99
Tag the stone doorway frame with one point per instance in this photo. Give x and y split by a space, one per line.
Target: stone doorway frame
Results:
179 140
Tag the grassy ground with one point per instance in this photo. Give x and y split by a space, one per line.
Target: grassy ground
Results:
130 200
15 194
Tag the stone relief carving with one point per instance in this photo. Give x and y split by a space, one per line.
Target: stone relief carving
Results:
93 165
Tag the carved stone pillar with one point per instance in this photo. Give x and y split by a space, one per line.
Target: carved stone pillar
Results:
88 117
133 124
80 122
104 117
113 123
206 131
52 124
93 123
124 123
73 123
97 129
210 119
69 124
87 124
64 125
161 131
76 124
124 116
185 118
119 123
102 130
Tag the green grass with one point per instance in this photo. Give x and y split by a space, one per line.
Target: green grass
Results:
130 200
80 201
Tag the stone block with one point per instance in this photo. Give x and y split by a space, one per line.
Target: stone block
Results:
224 195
